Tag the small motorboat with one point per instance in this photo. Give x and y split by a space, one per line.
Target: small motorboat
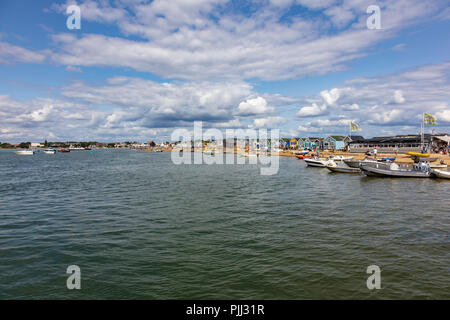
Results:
395 171
25 152
301 153
343 169
318 162
64 150
353 163
49 151
441 173
341 158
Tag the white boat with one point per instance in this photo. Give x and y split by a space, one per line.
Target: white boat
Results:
441 173
49 151
25 152
343 169
393 170
320 162
341 158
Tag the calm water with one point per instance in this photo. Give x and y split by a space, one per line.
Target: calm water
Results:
140 227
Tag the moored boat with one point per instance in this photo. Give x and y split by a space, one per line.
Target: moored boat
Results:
343 169
317 162
49 151
441 173
25 152
353 163
394 171
341 158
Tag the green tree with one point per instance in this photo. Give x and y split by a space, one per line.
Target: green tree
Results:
24 145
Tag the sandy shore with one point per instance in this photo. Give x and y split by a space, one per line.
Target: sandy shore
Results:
401 158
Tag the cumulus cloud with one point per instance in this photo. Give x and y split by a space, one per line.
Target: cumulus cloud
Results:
398 97
331 96
380 101
312 110
444 116
254 107
269 122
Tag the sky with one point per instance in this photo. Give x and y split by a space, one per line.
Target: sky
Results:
137 70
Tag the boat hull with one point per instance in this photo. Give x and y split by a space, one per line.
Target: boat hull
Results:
341 169
441 174
315 163
382 172
25 153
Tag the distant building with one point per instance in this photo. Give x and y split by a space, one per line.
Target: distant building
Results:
36 145
403 143
293 143
334 143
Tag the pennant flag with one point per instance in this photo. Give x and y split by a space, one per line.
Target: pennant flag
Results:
353 126
429 119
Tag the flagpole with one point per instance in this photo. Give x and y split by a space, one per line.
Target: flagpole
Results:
422 131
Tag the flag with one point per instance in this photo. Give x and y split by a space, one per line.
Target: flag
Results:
353 126
429 119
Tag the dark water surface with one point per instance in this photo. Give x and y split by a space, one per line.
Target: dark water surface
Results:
139 226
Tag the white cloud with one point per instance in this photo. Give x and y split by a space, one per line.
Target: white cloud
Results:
269 122
73 69
254 107
398 96
201 40
444 116
331 96
364 99
350 107
312 110
10 53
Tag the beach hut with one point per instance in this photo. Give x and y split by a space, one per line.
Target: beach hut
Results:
300 143
293 143
334 143
307 144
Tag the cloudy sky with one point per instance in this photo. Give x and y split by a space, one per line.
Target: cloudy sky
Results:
137 69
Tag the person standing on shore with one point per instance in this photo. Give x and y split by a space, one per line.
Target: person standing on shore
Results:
375 152
396 150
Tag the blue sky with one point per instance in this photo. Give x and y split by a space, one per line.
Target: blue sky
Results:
137 70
